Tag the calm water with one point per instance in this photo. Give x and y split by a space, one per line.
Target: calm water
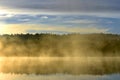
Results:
64 65
58 77
62 68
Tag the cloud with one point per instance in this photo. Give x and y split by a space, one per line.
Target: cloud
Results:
62 23
82 21
24 20
48 19
61 6
44 17
3 16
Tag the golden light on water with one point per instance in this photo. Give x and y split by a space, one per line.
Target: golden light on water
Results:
1 45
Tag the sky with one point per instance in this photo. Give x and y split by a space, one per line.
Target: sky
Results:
59 16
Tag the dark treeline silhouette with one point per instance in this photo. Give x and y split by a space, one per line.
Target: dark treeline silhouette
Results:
60 45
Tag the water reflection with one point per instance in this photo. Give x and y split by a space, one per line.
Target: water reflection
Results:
58 77
64 65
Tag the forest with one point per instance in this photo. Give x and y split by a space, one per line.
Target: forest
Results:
60 45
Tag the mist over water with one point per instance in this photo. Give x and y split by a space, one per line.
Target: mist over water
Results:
52 45
59 57
63 65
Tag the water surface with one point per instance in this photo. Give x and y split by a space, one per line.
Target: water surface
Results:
58 77
60 65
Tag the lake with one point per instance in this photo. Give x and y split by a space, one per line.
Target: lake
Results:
58 77
60 68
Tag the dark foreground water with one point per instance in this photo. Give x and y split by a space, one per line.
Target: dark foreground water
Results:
59 68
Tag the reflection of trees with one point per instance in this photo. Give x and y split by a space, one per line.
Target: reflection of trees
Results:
96 66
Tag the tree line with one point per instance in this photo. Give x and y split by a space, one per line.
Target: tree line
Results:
57 45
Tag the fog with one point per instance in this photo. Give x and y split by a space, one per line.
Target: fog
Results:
43 45
75 54
52 45
54 65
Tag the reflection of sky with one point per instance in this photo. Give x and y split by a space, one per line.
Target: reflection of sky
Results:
57 77
87 16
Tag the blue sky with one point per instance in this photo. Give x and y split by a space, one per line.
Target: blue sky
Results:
59 16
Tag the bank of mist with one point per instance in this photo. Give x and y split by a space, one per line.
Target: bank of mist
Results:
63 65
54 45
64 54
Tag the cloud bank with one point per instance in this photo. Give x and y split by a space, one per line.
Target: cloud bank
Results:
63 5
110 7
96 15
